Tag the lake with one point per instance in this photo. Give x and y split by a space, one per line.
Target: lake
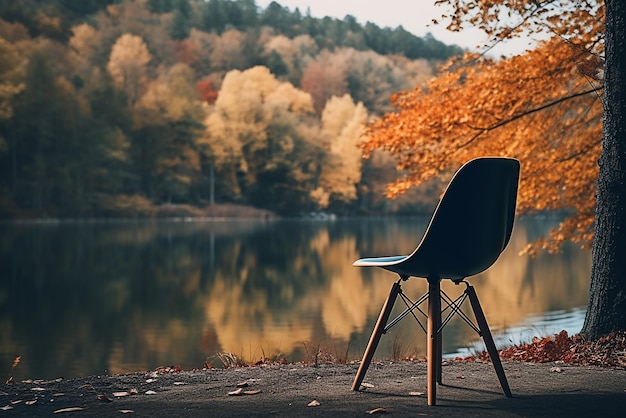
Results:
84 298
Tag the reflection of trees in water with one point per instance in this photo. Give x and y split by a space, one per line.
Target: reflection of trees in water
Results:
345 301
75 299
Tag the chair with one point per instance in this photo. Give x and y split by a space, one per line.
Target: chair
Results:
469 229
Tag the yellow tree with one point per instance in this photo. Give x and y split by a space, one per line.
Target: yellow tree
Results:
252 127
544 107
127 64
342 124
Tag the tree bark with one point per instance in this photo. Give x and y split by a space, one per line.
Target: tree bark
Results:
606 311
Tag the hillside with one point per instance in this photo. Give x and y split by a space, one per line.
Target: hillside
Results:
196 102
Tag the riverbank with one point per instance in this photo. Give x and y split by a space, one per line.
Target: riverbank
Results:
470 389
126 209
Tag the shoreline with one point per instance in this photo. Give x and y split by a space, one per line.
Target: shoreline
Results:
470 389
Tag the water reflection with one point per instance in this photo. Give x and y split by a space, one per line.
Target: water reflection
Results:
92 298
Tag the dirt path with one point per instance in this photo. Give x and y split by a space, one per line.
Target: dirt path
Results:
470 389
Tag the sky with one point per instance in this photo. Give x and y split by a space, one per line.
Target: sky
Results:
415 16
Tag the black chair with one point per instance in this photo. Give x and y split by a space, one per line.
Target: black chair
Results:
468 231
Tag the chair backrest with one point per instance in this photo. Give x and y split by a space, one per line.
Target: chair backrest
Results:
472 223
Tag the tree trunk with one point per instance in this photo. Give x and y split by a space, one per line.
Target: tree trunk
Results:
606 311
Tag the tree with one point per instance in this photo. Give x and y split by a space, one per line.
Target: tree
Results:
342 124
168 120
325 77
291 53
227 52
83 39
11 69
607 303
179 26
127 65
252 131
543 107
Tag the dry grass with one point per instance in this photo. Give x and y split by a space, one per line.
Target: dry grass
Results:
10 375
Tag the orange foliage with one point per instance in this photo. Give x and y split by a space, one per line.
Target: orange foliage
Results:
607 351
322 79
206 90
543 107
187 52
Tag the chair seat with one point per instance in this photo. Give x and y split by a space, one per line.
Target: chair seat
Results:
394 263
380 261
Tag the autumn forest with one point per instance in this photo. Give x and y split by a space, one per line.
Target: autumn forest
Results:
113 108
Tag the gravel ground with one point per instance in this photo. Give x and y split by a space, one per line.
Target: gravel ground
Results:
394 389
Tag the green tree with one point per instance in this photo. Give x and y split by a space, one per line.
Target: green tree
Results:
167 121
213 16
160 6
11 70
180 26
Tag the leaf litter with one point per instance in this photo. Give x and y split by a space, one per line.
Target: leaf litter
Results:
607 351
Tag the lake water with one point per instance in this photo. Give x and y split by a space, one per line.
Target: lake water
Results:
78 299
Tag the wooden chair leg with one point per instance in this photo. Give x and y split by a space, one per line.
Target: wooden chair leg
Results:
439 356
376 334
488 339
433 349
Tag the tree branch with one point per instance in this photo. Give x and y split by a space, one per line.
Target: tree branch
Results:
503 36
529 112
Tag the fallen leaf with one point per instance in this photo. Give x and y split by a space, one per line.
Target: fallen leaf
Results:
416 393
556 369
70 409
179 383
236 392
6 408
150 392
31 402
314 403
150 380
104 398
251 392
126 411
376 411
38 389
133 391
120 394
243 385
16 402
367 385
